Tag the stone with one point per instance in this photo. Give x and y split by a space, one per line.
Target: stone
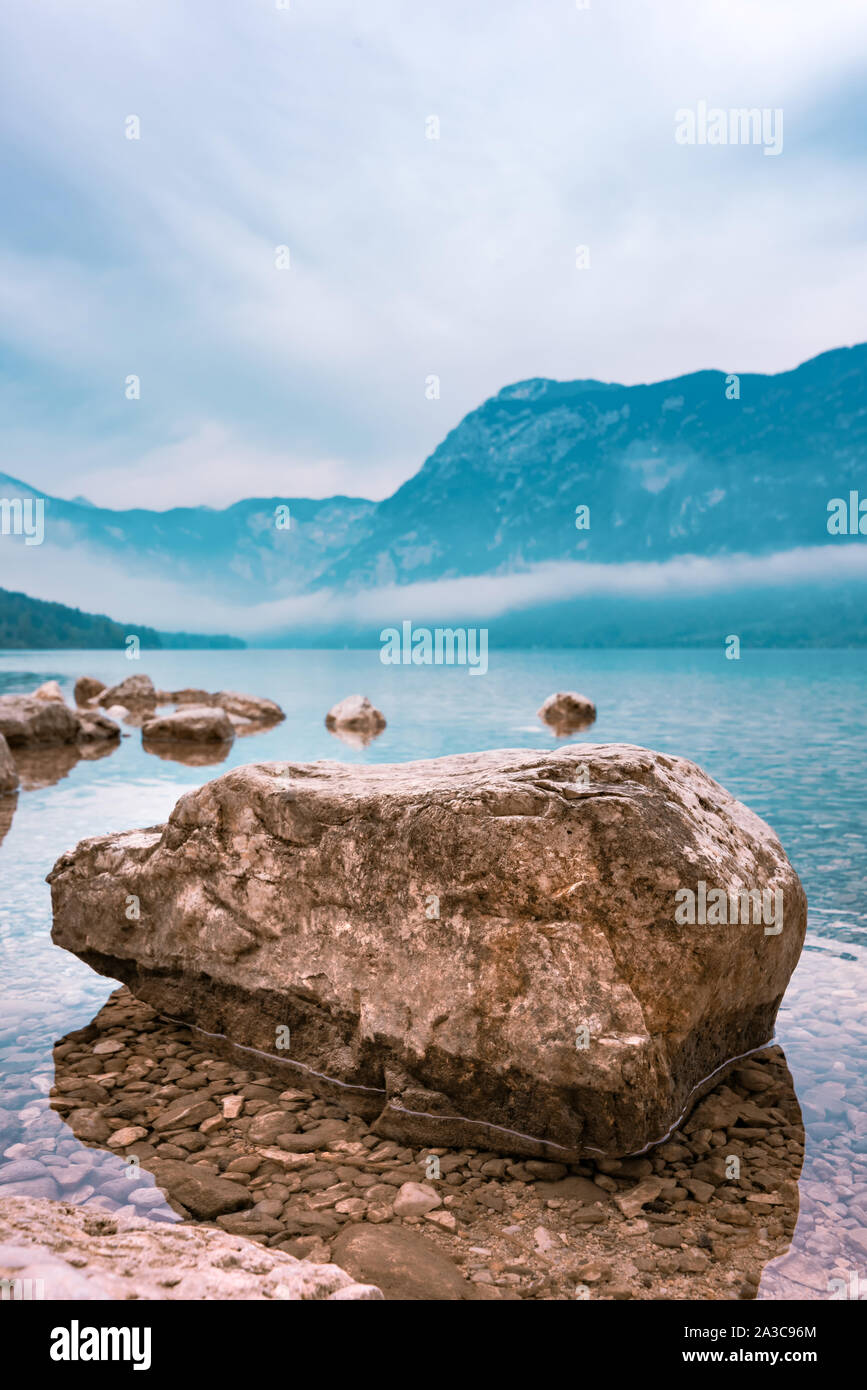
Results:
270 1125
203 1195
122 1138
94 727
405 1266
415 1199
631 1202
89 1126
190 724
186 1112
134 693
49 690
26 722
254 708
322 1136
567 713
82 1255
355 712
297 895
86 689
8 771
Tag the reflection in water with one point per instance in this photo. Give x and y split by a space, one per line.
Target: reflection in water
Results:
720 1196
44 767
188 752
8 802
354 738
563 728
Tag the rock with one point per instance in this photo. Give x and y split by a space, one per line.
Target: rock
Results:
184 1113
298 895
86 689
574 1188
405 1266
631 1202
49 690
267 1127
8 771
94 727
322 1136
415 1199
190 724
89 1126
252 707
118 1256
26 722
135 693
203 1195
355 712
122 1138
567 713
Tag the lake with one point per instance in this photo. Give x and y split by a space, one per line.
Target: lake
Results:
784 731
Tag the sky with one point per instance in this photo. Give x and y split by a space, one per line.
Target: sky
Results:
306 127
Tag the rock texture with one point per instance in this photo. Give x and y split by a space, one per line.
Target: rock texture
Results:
8 771
480 949
190 724
567 713
84 1254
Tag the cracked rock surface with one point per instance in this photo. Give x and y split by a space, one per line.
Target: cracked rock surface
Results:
479 950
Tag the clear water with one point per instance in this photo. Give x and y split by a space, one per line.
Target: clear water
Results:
783 731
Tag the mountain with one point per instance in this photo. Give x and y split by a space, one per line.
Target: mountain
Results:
670 469
674 476
28 624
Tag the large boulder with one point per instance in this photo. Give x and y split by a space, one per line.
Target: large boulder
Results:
26 721
490 949
8 771
190 724
80 1253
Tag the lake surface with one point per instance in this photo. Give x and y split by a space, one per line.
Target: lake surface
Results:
783 731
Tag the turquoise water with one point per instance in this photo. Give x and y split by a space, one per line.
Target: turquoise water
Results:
783 731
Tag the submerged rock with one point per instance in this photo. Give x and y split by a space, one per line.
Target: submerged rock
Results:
567 713
81 1253
190 724
8 771
356 714
485 949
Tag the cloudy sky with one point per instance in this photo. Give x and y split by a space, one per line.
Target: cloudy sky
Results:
305 127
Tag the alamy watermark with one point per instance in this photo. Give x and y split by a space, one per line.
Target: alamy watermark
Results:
717 907
23 516
442 646
737 125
